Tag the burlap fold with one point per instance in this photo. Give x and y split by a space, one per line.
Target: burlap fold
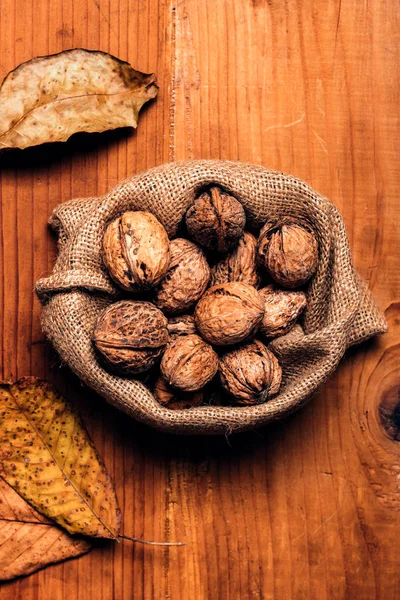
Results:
340 310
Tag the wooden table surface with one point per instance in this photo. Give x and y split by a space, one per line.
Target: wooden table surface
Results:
307 508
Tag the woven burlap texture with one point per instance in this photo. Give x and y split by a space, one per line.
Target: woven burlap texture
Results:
340 309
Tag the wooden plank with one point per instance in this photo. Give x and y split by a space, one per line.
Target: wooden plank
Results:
306 508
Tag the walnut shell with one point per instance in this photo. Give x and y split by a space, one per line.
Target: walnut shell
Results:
136 250
130 336
189 363
282 309
289 252
186 280
174 399
181 325
229 313
216 220
239 265
250 373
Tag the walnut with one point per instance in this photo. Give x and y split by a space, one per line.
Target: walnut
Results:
186 280
130 336
239 264
289 252
176 399
216 220
251 373
282 309
229 313
136 251
181 325
189 363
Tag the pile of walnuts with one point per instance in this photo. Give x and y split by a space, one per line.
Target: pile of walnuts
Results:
201 311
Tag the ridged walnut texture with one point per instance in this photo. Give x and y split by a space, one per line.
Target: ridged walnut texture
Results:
136 251
282 309
238 265
229 313
181 325
289 253
130 336
174 399
186 280
189 363
216 220
251 373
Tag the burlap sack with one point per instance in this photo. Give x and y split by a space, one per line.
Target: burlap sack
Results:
340 310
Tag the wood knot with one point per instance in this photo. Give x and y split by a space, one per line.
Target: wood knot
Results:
389 413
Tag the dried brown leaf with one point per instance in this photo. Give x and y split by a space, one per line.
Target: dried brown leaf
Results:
29 541
49 98
47 457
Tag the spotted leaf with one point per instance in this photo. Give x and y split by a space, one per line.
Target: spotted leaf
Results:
48 458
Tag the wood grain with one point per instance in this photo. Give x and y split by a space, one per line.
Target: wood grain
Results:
309 507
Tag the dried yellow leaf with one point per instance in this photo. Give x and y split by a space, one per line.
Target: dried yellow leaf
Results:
49 98
29 541
46 455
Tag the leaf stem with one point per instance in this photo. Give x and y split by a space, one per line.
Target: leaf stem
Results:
148 542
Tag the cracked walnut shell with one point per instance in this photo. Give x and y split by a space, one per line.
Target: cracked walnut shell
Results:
251 373
289 253
181 325
174 399
186 279
136 250
239 264
189 363
282 309
216 220
229 313
130 336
